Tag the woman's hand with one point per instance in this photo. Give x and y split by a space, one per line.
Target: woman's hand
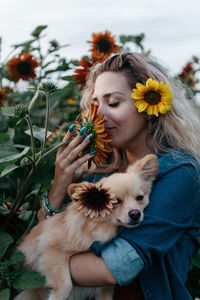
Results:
67 162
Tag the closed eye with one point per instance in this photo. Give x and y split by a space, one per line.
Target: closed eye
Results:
114 104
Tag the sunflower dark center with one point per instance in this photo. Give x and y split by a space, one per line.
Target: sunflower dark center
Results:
95 199
104 45
152 97
24 68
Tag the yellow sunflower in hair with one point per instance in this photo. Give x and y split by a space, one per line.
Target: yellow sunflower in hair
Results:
154 97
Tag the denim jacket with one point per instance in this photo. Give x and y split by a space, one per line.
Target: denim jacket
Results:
159 251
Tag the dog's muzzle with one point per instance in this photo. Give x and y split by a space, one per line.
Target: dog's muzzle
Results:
134 216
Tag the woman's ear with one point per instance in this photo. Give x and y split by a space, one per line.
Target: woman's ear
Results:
147 167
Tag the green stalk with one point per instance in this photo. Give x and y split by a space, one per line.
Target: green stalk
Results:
27 118
46 121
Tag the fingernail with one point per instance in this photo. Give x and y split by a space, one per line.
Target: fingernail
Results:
93 152
81 132
88 137
71 128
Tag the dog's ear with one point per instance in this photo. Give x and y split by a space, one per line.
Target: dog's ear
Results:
147 167
71 189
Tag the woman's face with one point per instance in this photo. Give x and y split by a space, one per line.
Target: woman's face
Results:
113 96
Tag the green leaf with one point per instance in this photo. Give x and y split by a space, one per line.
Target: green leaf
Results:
8 111
33 100
38 133
44 173
28 280
7 150
24 212
5 294
26 44
8 170
17 257
36 32
6 239
67 78
4 136
14 156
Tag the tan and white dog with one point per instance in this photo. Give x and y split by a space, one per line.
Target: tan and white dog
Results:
50 244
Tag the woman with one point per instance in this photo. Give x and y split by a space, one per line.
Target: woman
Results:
152 260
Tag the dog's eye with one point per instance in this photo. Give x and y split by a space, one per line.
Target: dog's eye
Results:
118 201
139 197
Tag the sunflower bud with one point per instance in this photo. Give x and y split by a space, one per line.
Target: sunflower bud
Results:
48 87
21 111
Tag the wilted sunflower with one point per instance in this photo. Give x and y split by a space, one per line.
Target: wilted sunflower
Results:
2 97
94 123
103 44
93 200
81 73
154 97
22 66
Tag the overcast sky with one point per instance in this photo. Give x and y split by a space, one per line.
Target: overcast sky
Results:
171 26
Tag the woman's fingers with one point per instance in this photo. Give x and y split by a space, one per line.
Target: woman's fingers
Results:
76 151
74 143
79 162
67 137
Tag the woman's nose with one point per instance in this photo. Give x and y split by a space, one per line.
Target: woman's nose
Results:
104 111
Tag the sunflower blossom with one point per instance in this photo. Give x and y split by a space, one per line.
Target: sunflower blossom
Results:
93 200
102 46
81 73
94 123
154 97
22 66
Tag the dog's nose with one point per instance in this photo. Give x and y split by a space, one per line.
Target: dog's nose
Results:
134 214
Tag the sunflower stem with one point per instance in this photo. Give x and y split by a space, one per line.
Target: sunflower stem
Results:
28 120
46 121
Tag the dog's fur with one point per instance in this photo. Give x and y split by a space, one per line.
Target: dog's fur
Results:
51 243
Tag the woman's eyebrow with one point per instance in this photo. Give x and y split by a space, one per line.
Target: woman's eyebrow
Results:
109 94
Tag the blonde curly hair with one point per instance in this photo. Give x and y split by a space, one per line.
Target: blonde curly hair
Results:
178 129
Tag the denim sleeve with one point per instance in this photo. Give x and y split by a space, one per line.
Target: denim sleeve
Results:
122 260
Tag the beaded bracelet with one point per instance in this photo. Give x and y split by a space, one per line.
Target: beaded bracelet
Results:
47 210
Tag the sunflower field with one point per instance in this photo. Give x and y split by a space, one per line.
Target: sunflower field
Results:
40 92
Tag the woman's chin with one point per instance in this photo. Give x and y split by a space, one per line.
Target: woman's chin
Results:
115 144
